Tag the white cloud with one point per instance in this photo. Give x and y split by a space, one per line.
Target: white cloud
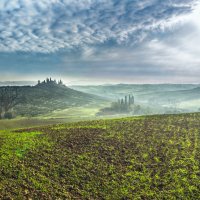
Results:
50 25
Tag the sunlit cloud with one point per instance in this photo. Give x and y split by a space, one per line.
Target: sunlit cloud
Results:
51 25
100 40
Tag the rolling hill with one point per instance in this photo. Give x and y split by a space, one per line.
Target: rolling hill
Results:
158 97
119 90
17 83
48 97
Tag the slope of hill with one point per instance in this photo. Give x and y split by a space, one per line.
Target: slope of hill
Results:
185 100
158 97
45 98
119 90
16 83
152 157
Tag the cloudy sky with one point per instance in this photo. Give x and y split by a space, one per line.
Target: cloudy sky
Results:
100 41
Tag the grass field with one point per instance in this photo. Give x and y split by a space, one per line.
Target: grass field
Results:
28 122
152 157
72 114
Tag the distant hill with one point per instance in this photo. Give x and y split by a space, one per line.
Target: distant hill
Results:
138 90
17 83
176 95
155 96
47 97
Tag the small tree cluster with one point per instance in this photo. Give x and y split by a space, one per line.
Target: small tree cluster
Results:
50 81
123 105
127 100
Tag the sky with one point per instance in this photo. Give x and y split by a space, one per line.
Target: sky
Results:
100 41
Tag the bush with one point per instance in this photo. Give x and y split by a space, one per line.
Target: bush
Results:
8 115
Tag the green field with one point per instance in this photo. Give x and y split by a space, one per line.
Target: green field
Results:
72 114
151 157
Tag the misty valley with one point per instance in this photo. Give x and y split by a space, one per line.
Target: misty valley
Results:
51 99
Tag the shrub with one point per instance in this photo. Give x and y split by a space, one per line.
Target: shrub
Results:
8 115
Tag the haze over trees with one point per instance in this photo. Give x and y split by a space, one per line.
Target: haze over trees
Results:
123 105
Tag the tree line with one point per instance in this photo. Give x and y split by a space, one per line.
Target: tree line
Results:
50 81
123 105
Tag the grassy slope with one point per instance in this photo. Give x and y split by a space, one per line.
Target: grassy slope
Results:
153 157
58 116
42 99
28 122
